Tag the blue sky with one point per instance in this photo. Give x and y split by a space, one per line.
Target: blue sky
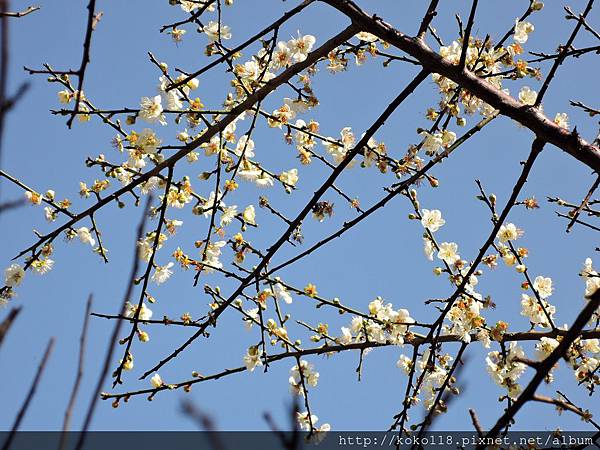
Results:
381 257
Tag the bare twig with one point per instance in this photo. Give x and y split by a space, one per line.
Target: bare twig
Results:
78 376
7 322
23 13
30 394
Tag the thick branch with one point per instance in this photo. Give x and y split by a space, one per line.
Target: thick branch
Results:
536 121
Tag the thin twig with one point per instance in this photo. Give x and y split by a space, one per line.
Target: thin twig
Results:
78 376
30 394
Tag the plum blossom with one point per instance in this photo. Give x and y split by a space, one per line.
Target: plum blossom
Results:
306 371
522 31
245 146
301 46
562 120
156 381
252 358
151 110
543 286
145 312
432 219
506 371
448 252
13 275
228 215
281 292
527 96
212 30
533 310
249 215
213 252
509 232
591 277
428 248
162 273
85 236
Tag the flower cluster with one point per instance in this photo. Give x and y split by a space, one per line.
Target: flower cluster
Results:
384 324
302 375
505 368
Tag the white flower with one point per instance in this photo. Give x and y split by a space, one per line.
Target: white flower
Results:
281 292
177 34
147 141
451 52
156 381
162 273
509 232
545 347
592 278
50 214
252 358
522 30
264 180
532 309
562 120
173 99
465 317
213 252
253 317
229 213
304 371
145 312
191 5
432 220
245 146
282 56
304 420
249 172
248 71
448 252
432 142
346 337
212 30
591 345
64 96
33 197
211 202
339 151
588 366
428 248
543 286
506 371
290 178
448 138
404 363
366 37
301 46
250 215
150 185
85 236
13 275
151 110
527 96
43 266
484 337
